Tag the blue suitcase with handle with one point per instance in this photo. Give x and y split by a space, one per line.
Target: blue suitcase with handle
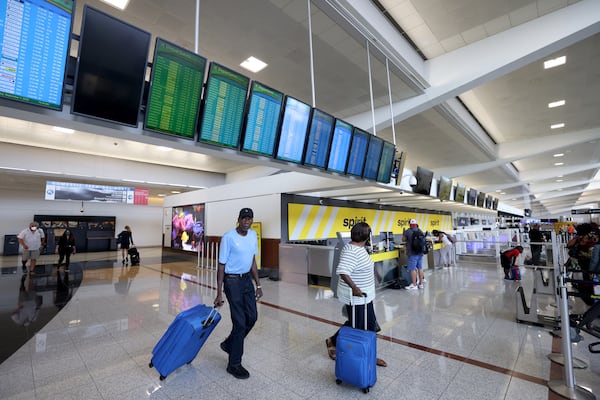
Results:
356 356
184 338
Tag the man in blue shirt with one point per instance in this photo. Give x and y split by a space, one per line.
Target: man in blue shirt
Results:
237 269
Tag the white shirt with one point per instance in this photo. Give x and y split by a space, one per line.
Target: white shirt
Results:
33 240
356 263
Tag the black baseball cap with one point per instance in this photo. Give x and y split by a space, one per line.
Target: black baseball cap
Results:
246 213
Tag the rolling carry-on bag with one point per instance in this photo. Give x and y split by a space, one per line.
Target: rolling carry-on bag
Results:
134 255
356 355
184 338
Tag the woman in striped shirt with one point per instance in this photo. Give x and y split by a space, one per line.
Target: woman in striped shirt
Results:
357 276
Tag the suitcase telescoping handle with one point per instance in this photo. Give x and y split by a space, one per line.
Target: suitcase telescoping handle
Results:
211 317
353 305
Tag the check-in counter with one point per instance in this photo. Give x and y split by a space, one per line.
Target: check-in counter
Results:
300 263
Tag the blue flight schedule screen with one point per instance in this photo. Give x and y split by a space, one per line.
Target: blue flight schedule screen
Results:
263 120
340 146
293 130
358 152
34 43
373 155
317 145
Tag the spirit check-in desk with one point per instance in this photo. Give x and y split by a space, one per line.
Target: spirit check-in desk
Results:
305 263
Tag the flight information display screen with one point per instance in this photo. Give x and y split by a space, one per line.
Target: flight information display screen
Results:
224 104
319 138
358 152
340 146
175 90
294 127
386 164
373 155
262 120
34 45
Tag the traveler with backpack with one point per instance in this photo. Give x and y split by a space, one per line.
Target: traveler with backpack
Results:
416 246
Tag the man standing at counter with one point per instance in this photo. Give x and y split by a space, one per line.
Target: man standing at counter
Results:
415 257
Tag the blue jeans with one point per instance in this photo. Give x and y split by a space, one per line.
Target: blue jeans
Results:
242 305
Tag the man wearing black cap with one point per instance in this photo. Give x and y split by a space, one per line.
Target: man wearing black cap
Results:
237 269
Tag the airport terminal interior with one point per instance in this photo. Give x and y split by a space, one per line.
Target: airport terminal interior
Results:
90 333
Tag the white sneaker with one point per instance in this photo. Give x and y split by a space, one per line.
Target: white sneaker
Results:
421 286
412 287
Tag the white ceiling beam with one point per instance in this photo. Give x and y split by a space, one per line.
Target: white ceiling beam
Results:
463 69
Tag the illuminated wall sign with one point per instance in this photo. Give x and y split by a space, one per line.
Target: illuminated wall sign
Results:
98 193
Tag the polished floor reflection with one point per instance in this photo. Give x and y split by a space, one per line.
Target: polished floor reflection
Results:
88 333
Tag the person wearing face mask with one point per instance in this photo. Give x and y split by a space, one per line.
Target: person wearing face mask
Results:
32 240
65 247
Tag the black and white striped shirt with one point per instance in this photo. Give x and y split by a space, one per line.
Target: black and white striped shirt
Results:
356 262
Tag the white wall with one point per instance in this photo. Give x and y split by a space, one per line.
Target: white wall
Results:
17 208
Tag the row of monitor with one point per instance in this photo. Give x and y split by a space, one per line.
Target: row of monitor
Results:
234 112
445 190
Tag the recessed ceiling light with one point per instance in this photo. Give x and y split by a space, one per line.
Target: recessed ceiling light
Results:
556 104
502 192
557 126
120 4
559 180
559 163
175 191
161 195
555 62
558 155
253 64
62 130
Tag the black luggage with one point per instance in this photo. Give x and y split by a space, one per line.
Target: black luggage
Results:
134 255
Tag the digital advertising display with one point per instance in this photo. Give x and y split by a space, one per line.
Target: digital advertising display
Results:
187 227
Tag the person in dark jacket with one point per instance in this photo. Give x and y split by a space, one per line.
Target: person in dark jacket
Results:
65 247
125 239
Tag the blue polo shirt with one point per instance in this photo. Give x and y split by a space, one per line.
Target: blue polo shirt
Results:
236 251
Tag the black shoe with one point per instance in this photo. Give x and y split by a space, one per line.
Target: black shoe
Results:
224 347
238 371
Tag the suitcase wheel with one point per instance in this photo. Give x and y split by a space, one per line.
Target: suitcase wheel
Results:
150 365
338 381
162 377
366 390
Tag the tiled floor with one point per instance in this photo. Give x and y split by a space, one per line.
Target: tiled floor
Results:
455 339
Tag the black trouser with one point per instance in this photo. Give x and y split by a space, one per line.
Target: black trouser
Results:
536 252
360 319
66 255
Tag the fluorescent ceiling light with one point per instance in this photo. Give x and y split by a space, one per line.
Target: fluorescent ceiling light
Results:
558 155
63 130
557 126
175 191
161 195
556 104
559 180
558 164
164 148
120 4
253 64
132 180
555 62
14 168
41 171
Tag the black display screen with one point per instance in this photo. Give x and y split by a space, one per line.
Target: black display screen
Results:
224 104
386 165
262 120
175 90
340 146
480 199
319 139
459 195
472 197
358 152
34 45
294 127
444 188
424 179
111 68
373 157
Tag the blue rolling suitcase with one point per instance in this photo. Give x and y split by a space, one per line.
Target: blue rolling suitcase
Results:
356 356
184 338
